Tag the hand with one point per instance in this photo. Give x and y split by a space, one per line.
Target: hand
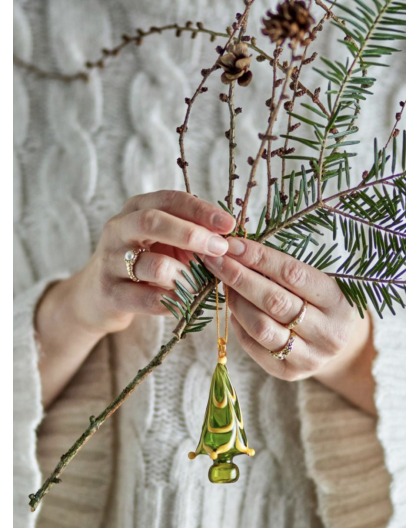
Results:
74 314
172 225
266 293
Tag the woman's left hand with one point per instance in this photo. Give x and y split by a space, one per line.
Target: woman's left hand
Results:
266 293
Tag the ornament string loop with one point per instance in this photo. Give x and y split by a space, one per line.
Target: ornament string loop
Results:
222 341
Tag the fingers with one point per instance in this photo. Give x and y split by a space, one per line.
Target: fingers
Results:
160 270
130 297
277 302
148 226
301 279
299 364
185 206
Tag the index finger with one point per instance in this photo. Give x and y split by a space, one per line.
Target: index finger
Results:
186 206
303 280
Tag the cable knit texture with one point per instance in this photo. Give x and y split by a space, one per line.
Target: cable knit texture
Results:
81 150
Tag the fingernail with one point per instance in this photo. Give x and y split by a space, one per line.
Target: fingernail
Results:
236 246
221 221
214 263
217 245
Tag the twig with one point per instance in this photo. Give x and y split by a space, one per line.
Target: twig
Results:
95 423
56 76
182 130
302 91
397 120
264 138
232 146
270 181
329 13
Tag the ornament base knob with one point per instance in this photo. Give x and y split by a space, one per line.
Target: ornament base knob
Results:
223 473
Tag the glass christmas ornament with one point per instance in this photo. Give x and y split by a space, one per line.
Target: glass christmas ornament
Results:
223 435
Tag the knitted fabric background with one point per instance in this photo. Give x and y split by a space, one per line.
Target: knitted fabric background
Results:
81 149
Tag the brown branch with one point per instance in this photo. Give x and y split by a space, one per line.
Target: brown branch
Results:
329 13
395 131
182 130
44 74
264 138
296 85
96 422
270 181
232 146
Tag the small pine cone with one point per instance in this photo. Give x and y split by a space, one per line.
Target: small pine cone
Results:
238 110
396 133
250 160
223 97
273 181
235 63
239 202
292 20
398 116
204 89
235 177
187 100
278 83
227 134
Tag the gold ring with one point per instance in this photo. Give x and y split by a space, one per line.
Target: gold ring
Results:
285 351
131 258
300 317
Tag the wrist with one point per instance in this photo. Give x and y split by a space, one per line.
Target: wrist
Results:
60 308
350 373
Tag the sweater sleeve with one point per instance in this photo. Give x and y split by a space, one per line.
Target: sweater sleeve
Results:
28 410
356 461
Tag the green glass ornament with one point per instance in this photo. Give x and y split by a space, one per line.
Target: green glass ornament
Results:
223 435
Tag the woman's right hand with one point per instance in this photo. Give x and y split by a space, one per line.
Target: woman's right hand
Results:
171 225
76 313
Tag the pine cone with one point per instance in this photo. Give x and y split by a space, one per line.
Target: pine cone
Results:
235 64
292 20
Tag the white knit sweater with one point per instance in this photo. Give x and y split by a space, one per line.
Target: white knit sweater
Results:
80 150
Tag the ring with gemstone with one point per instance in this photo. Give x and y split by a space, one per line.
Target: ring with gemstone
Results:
285 351
131 258
300 316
